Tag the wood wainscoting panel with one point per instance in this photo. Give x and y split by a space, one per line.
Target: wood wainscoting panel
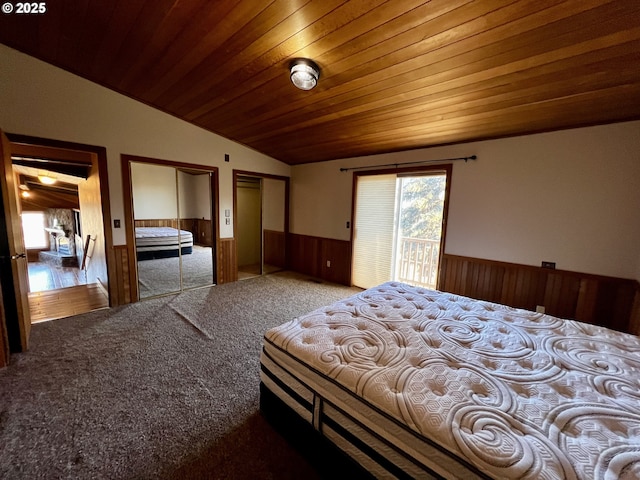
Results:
335 261
601 300
157 222
275 248
201 229
227 261
205 232
303 255
309 255
123 278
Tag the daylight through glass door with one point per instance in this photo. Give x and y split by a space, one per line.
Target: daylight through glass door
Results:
398 228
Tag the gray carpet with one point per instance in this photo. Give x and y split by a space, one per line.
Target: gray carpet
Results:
162 275
165 388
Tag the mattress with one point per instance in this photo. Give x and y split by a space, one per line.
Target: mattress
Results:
162 242
418 383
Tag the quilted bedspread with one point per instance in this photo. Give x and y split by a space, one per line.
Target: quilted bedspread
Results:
517 394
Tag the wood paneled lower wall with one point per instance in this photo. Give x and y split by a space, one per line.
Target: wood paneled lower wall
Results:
275 248
324 258
120 281
157 222
607 301
227 261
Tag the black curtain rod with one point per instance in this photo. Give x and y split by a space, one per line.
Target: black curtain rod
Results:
397 165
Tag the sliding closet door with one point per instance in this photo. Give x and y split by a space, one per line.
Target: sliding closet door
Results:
195 204
273 224
155 204
249 225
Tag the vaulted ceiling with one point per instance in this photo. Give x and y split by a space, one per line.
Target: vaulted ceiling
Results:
395 75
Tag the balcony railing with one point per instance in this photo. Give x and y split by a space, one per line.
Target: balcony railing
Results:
418 262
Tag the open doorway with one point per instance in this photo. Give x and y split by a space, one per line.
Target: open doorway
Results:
63 228
399 220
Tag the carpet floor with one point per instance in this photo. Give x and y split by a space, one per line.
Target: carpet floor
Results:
164 388
162 275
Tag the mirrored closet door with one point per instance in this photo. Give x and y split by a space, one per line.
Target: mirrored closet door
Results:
174 228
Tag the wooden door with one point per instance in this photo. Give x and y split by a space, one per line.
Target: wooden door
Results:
15 277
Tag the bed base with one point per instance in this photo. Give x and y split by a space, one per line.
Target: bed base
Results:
323 455
154 255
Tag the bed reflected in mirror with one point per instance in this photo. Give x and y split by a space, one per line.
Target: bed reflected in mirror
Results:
172 215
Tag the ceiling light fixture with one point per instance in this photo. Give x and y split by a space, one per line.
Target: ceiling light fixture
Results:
46 179
304 73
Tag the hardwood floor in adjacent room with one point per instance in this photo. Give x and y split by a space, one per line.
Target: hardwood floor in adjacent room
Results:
58 292
43 276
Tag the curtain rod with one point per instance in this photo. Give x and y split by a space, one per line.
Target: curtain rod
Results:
397 165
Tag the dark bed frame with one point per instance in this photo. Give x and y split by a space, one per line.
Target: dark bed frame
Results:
155 254
328 460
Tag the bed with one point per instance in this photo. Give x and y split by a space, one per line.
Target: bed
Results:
417 383
162 242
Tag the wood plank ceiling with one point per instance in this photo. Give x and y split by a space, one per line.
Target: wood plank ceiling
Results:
395 75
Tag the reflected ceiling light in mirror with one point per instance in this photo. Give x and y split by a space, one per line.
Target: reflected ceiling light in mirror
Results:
304 73
46 179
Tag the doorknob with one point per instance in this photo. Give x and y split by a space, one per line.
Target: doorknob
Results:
19 255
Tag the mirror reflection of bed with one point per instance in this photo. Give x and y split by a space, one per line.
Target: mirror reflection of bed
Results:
173 228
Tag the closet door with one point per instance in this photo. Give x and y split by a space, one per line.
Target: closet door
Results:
249 225
155 208
273 225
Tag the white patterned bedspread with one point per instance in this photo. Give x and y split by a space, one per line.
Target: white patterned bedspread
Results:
517 394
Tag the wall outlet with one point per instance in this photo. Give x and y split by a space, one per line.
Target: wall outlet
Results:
551 265
328 263
540 309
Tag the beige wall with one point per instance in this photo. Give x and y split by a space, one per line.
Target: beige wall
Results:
153 191
194 195
273 198
570 197
41 100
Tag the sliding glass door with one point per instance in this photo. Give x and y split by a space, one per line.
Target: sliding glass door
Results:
398 227
374 230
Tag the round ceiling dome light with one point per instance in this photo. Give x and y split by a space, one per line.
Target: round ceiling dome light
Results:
304 73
